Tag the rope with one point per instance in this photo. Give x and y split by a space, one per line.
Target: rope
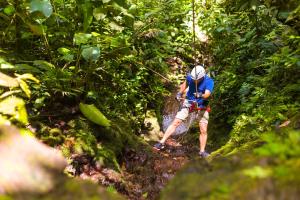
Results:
156 72
194 44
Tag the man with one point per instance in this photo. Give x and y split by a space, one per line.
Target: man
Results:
200 87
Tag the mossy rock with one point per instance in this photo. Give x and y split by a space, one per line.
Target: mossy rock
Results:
237 177
74 189
264 169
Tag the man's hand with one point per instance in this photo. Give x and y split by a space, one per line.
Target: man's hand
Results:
198 94
178 96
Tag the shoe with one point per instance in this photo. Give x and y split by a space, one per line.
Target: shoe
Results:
159 146
203 154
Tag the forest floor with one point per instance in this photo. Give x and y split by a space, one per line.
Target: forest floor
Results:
144 173
147 173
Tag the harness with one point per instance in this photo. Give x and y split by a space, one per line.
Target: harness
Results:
194 107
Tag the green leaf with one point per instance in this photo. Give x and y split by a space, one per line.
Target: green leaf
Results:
24 86
91 53
36 29
115 26
26 68
68 58
4 120
258 172
87 15
132 9
5 65
27 77
42 64
15 107
9 10
106 1
63 51
8 81
99 13
8 93
43 6
82 38
93 114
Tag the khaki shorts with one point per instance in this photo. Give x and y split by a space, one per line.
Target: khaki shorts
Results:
183 114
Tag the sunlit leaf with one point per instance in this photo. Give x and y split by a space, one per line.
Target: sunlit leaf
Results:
4 120
15 107
43 6
8 93
63 51
94 114
132 9
5 65
99 13
8 81
27 77
82 38
24 86
106 1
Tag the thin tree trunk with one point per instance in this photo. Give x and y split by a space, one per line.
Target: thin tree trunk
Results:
18 28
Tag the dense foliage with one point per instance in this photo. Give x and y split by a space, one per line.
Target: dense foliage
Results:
255 46
109 53
58 54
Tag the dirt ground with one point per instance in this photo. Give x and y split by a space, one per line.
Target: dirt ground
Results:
143 174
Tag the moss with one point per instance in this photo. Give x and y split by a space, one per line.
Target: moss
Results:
265 168
75 189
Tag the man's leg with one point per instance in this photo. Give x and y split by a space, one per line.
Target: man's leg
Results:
203 135
171 129
180 116
203 123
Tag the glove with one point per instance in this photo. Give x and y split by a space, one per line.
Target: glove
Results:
178 96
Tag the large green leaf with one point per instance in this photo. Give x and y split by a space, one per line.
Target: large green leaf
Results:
93 114
43 6
87 14
99 13
82 38
91 53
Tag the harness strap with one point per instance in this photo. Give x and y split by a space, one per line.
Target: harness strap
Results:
194 108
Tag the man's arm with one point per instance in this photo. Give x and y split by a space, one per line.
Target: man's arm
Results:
183 87
209 89
206 94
